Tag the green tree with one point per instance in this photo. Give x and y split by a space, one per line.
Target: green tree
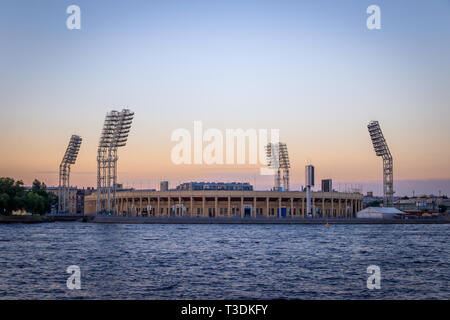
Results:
13 196
9 190
34 203
4 200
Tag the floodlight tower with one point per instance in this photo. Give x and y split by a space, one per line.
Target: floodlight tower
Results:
382 150
309 182
273 162
285 165
119 139
70 156
104 161
278 159
114 135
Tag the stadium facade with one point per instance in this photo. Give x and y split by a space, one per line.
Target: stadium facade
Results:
226 203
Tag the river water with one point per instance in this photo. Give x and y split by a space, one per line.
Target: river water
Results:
119 261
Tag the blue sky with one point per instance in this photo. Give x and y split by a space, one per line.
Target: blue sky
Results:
310 68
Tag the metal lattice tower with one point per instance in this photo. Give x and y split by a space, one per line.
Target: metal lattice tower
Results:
114 135
382 150
64 171
278 159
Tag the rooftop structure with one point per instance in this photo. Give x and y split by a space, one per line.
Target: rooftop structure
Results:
229 186
327 185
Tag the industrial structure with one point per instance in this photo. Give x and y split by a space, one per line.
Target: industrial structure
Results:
70 156
278 160
327 185
382 150
309 182
114 135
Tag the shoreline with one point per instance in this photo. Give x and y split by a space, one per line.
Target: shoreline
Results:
189 220
203 220
25 219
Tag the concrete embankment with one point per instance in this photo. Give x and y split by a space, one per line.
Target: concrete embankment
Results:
189 220
25 219
67 217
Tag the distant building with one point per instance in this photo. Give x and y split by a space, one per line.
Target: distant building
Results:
72 198
371 201
164 186
422 204
75 198
327 185
81 193
230 186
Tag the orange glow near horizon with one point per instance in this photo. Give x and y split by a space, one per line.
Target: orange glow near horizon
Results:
145 161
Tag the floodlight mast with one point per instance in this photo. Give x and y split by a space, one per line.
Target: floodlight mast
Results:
278 159
114 135
382 150
70 156
285 165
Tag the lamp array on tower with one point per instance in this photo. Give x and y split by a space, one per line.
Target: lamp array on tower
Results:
382 150
278 159
64 172
114 135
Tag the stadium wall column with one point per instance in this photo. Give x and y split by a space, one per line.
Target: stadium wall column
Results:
323 206
292 207
279 207
339 207
332 206
303 207
158 206
203 207
216 211
168 206
346 209
313 206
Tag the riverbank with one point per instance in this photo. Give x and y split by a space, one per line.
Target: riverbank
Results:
25 219
191 220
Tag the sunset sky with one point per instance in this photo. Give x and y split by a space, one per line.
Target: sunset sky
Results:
311 69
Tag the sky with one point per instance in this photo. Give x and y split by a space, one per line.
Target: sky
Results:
311 69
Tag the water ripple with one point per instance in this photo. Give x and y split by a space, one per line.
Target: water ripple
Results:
224 261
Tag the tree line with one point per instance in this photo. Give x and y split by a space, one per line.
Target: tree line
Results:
14 197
